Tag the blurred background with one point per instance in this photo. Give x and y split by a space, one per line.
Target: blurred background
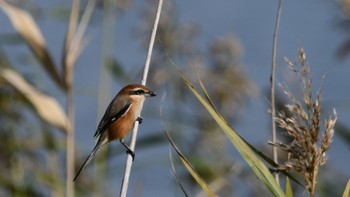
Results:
227 44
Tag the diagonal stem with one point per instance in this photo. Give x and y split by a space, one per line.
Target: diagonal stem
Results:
128 163
273 68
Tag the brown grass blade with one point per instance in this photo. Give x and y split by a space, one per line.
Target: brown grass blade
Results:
190 169
176 177
46 107
29 31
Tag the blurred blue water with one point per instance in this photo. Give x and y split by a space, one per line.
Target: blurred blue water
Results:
304 24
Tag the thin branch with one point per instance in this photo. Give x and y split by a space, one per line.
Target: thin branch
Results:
70 140
128 163
70 144
273 106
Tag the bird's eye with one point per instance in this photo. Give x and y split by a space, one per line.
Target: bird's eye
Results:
138 92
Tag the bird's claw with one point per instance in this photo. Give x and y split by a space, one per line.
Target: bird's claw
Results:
131 153
139 119
128 150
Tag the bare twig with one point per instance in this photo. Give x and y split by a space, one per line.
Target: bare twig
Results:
70 144
128 163
273 66
70 111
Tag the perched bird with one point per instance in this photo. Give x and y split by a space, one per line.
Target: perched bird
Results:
119 118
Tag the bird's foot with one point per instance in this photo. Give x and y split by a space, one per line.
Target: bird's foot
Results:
131 153
139 119
128 150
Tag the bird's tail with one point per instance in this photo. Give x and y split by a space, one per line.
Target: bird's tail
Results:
88 159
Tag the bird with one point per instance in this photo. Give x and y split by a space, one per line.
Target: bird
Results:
119 119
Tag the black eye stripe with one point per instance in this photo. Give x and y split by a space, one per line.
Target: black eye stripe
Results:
137 92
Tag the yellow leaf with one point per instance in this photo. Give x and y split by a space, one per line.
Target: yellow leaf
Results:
347 190
190 169
46 107
289 190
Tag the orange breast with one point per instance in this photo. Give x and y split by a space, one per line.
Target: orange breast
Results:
120 128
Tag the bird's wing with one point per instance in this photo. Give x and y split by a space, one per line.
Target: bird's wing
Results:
116 109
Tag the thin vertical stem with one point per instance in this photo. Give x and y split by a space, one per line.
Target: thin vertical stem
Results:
68 75
273 68
128 163
70 144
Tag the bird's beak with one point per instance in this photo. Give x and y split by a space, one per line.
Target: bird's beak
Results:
151 94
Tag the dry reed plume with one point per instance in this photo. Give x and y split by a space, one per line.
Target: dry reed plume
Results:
307 149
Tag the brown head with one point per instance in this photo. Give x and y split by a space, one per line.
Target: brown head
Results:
137 91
